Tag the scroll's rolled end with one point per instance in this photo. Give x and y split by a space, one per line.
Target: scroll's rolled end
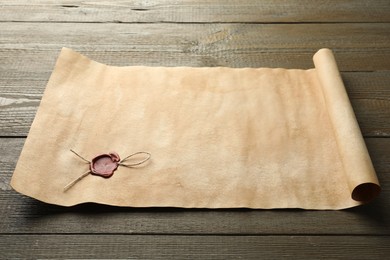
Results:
366 192
360 173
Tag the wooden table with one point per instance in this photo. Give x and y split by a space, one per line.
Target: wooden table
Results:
193 33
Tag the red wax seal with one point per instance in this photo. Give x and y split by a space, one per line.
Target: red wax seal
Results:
104 165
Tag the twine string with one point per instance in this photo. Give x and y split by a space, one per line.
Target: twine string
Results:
130 165
78 155
68 186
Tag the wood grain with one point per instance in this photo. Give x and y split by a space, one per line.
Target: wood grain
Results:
193 247
204 11
21 214
369 93
33 47
240 33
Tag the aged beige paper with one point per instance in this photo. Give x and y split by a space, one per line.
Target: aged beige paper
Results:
218 137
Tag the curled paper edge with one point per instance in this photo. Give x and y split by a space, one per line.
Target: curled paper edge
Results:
360 174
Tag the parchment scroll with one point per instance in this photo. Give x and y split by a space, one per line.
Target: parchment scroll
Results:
218 137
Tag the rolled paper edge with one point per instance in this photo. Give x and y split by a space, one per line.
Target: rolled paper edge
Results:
366 192
360 173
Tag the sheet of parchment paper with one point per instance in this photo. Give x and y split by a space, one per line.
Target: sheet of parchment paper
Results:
218 137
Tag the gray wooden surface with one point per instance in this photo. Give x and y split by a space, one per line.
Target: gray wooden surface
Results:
240 33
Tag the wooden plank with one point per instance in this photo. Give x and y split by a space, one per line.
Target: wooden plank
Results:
20 95
31 47
193 247
204 11
21 214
